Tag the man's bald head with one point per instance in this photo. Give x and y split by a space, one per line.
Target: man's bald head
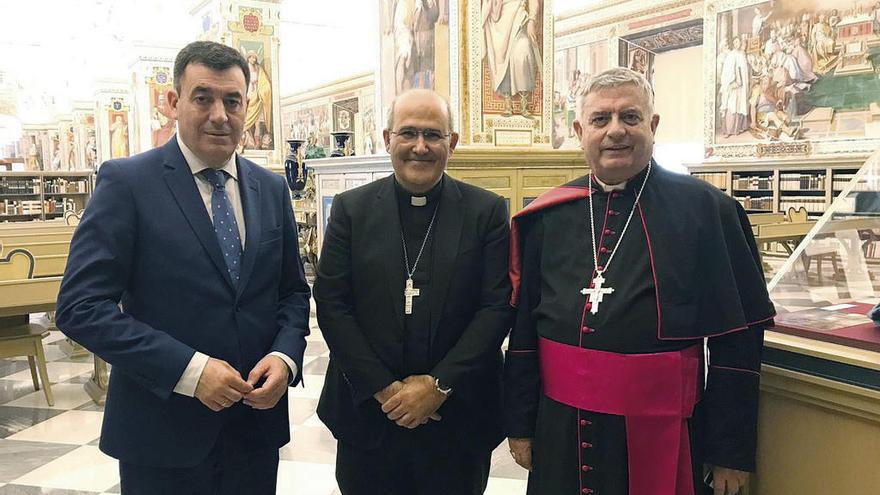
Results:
419 97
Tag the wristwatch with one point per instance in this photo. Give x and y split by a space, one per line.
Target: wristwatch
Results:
445 391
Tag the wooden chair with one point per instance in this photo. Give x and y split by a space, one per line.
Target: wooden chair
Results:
19 337
72 218
796 215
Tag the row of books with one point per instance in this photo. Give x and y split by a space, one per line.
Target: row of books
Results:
717 179
758 203
812 205
36 207
747 183
19 186
842 181
57 186
801 182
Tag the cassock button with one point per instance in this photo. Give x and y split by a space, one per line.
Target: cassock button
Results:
603 250
584 422
600 268
586 468
615 195
589 306
608 232
586 445
612 212
587 491
586 329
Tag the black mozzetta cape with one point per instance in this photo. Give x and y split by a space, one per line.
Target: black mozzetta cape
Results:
687 268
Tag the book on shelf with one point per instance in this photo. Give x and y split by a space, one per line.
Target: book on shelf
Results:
757 203
812 205
801 182
752 183
19 186
717 179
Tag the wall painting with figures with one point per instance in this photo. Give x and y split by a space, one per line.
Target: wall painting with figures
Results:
414 47
252 36
573 67
792 70
162 124
513 62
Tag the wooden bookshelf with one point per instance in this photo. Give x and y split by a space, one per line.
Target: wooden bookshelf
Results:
28 196
769 186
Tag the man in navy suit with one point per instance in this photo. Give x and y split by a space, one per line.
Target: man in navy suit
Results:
185 276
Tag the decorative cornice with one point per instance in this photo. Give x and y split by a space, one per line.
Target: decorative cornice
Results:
515 158
638 11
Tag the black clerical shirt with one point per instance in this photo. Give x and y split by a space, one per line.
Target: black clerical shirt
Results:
417 326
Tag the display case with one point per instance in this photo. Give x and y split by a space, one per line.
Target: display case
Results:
819 429
28 196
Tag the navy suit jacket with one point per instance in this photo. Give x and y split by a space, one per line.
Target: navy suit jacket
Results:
146 241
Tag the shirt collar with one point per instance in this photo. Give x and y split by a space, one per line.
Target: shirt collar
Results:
609 188
196 165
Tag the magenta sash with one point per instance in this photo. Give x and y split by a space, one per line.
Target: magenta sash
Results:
656 393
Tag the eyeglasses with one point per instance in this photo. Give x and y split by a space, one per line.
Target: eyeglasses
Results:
411 134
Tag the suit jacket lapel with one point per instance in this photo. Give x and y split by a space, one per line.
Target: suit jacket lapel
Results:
251 202
387 233
180 180
448 236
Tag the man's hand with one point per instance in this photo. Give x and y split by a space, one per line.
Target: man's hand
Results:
275 372
521 450
415 403
220 386
388 392
728 481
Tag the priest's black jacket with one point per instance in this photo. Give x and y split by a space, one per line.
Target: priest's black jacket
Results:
686 269
360 307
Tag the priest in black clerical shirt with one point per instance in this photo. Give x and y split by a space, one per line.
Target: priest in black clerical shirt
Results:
618 278
413 297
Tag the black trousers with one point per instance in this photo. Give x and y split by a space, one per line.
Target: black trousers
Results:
424 461
239 463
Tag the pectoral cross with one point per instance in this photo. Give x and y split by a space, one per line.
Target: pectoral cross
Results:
408 294
597 292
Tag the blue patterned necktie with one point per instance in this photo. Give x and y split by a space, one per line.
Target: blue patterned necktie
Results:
225 225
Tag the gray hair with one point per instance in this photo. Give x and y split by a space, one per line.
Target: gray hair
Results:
613 78
389 118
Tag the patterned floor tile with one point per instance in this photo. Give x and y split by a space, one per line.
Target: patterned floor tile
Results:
16 419
20 458
73 427
58 371
14 389
12 366
66 397
85 468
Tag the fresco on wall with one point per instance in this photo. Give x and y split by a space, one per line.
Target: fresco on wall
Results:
162 124
414 46
794 69
512 32
117 117
310 123
573 67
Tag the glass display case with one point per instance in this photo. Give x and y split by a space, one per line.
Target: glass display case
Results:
825 289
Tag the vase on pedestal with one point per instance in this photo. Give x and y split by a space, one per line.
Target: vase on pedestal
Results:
343 143
295 168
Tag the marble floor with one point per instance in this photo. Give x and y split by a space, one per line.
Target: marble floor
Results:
53 450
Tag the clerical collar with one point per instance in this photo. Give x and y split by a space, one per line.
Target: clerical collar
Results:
418 200
633 182
610 187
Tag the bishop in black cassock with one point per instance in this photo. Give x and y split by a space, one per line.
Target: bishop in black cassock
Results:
613 397
413 388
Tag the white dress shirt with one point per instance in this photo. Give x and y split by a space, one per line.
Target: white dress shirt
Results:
193 372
